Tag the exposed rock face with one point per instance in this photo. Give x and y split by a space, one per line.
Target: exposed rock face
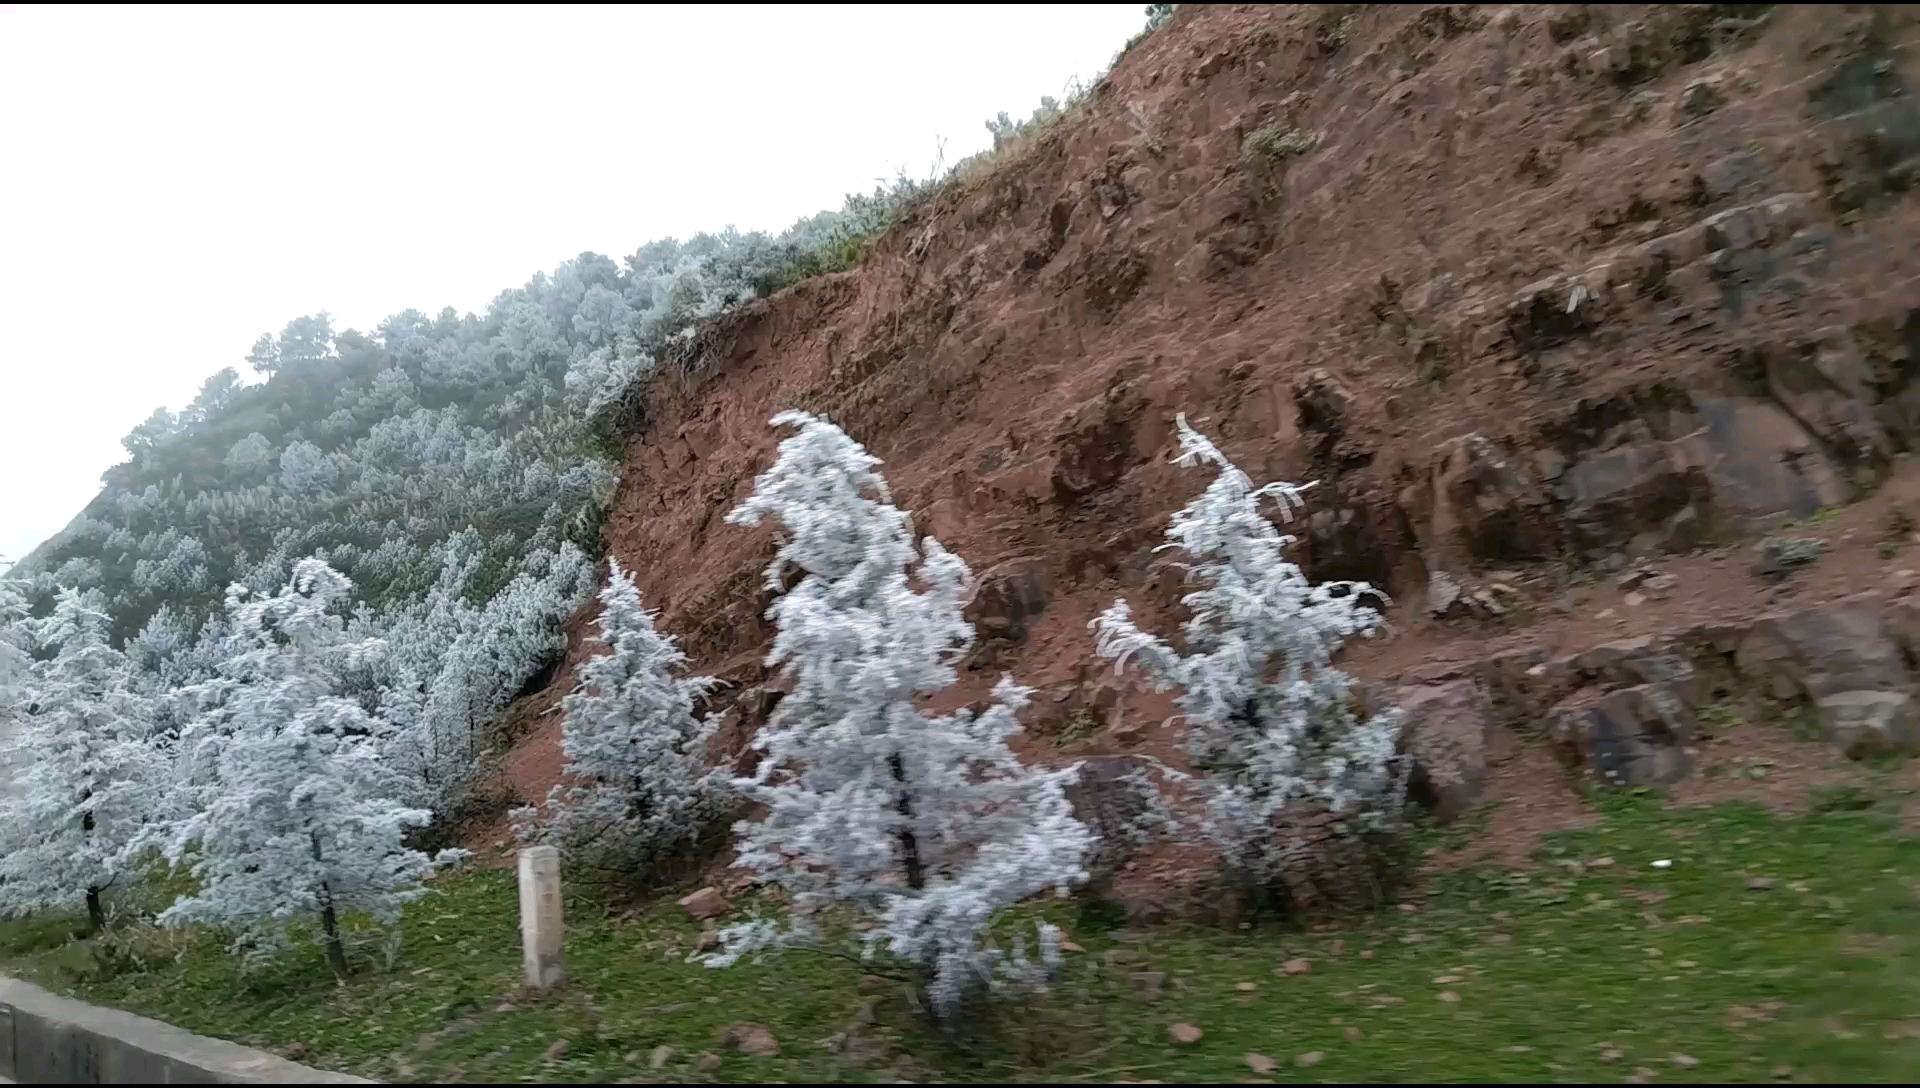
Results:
1623 712
1823 650
1007 598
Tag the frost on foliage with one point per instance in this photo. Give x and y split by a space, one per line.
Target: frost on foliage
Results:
638 791
1271 723
599 382
84 778
296 820
454 665
927 824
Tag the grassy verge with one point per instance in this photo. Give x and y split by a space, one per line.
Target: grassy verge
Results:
1769 948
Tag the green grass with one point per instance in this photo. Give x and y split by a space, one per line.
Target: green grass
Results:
1771 947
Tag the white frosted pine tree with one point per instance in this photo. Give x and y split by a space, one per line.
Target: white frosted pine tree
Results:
927 824
638 791
296 820
1272 726
85 778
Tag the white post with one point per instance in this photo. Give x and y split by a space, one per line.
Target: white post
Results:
540 925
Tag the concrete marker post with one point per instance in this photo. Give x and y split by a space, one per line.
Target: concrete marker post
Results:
541 927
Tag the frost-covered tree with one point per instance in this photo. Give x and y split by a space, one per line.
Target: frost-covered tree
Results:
306 470
926 823
294 817
456 665
16 659
250 455
638 791
1272 725
85 777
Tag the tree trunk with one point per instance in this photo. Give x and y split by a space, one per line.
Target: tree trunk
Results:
96 914
909 845
336 952
330 923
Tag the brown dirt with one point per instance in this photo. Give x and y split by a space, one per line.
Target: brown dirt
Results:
1353 308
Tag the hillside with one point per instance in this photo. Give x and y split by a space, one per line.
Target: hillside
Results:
1534 293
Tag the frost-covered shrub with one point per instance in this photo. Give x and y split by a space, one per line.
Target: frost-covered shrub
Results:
638 795
295 817
927 825
1292 778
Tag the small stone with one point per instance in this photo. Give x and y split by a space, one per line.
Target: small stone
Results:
1446 980
294 1052
708 940
1296 967
660 1057
707 1062
1147 984
1352 1034
1611 1053
705 903
1684 1061
1185 1034
1781 1072
1663 863
1635 599
750 1039
1310 1058
1449 997
1700 97
1119 957
1366 953
557 1050
1246 987
1069 946
872 983
1641 1075
1260 1064
1517 1049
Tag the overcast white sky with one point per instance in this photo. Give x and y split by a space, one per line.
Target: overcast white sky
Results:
176 181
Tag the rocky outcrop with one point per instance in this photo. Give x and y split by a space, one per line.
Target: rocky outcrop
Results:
1624 712
1814 652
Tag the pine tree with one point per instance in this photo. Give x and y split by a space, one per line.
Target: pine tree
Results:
928 824
297 818
639 793
85 776
1271 723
